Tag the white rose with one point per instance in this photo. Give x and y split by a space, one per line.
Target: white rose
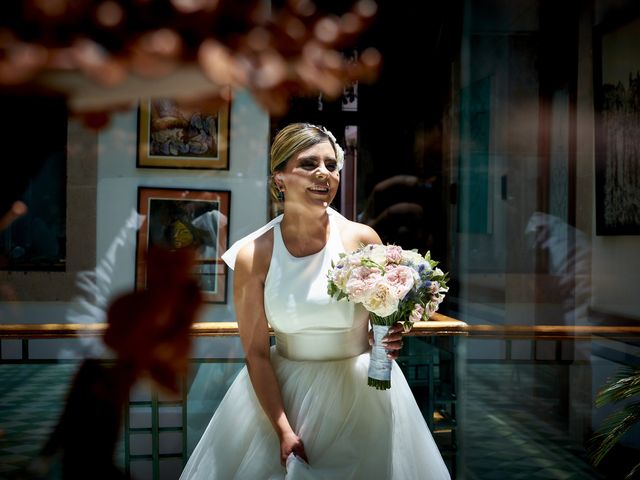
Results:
409 256
340 277
382 302
377 254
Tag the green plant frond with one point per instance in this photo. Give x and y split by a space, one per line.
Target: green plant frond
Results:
613 427
625 384
624 372
634 471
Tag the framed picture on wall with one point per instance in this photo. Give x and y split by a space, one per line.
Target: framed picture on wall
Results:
616 93
180 218
183 134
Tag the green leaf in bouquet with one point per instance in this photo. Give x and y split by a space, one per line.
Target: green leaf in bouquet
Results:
388 321
366 262
379 384
432 263
441 279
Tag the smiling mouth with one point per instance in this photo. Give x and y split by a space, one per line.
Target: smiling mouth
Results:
319 189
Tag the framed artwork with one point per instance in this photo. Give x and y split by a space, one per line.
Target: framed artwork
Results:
616 90
177 218
183 134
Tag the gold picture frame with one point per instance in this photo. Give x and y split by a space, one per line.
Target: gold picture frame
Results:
186 134
178 218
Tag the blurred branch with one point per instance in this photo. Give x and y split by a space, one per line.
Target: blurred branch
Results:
104 55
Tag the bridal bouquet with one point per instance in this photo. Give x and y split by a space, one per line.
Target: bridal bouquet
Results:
394 285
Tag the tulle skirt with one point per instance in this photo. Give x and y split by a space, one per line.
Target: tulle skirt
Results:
349 429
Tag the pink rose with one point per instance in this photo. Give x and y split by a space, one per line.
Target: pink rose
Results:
416 313
394 254
361 283
400 279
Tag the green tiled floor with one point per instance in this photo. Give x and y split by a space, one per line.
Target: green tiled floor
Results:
501 436
31 398
507 434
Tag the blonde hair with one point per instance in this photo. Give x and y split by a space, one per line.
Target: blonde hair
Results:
293 139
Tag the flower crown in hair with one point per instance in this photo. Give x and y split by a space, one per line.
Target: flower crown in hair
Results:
336 146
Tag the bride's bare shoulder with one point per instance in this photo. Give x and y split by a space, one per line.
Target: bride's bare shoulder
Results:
355 234
255 256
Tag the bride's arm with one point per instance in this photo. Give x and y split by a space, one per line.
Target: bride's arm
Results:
248 285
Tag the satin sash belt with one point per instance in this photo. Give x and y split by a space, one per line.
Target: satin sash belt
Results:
329 345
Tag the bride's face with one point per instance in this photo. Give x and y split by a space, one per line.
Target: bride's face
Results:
312 176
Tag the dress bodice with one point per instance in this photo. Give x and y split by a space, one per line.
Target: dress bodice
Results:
308 324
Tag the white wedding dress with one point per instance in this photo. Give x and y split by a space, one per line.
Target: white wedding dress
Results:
349 429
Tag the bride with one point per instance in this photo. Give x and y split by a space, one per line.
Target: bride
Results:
302 409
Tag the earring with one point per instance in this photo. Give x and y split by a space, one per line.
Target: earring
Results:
280 195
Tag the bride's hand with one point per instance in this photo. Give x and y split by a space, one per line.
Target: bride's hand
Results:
291 443
392 340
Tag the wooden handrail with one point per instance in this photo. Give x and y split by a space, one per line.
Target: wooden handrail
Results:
440 325
552 332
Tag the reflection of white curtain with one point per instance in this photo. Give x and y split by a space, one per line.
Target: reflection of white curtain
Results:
211 222
95 289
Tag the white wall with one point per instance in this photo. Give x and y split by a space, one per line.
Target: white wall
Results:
615 275
118 180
